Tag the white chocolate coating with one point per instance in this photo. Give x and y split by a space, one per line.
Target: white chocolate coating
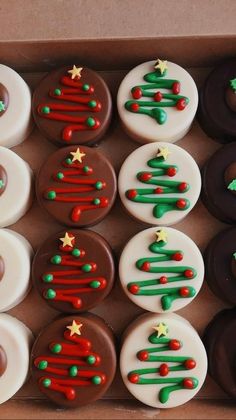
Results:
142 127
16 340
188 171
16 123
138 247
16 253
136 339
17 197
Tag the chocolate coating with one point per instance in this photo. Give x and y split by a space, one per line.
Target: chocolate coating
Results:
3 361
102 344
97 253
221 348
215 115
4 98
3 180
218 199
220 272
53 129
62 211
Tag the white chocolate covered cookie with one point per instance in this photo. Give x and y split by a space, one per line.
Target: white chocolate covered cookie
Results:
163 361
15 108
15 187
159 184
157 101
161 270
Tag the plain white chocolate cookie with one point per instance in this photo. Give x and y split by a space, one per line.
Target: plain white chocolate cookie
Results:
157 101
159 184
163 361
15 266
15 108
161 270
15 344
15 187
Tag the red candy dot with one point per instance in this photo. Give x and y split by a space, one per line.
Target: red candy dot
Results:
131 194
188 274
133 378
163 369
158 190
174 344
183 186
190 364
137 93
184 292
188 383
134 107
163 280
145 266
177 256
176 88
181 104
171 172
143 355
145 176
134 288
70 394
77 303
158 97
181 204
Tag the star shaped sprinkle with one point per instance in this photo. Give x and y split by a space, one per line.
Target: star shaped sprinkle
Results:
163 152
161 235
232 185
232 84
161 329
67 240
2 106
161 65
77 155
234 255
74 328
75 72
1 184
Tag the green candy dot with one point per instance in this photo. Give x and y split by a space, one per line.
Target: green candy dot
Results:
56 259
76 252
56 348
43 365
92 104
57 92
90 122
98 185
51 195
45 110
60 175
51 294
69 161
91 359
46 382
86 168
96 201
86 268
95 284
96 380
47 278
85 87
73 371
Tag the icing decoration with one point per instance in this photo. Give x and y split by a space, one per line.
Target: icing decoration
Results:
68 356
69 285
3 180
162 187
153 107
169 294
77 92
74 174
161 374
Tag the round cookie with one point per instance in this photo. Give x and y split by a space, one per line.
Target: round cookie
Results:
15 187
74 360
220 347
15 343
161 270
159 184
217 103
77 186
15 108
15 267
74 271
163 361
219 184
157 101
72 105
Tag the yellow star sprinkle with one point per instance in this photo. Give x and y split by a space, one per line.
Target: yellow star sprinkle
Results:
67 240
74 328
77 155
163 152
161 329
75 72
161 65
161 236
